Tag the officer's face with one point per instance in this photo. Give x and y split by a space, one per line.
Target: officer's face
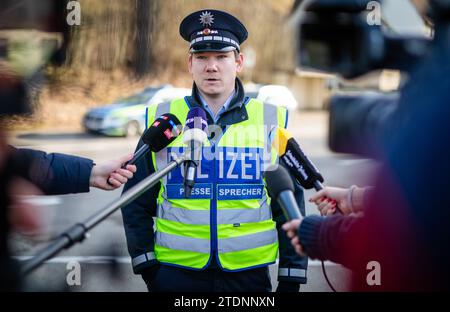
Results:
214 73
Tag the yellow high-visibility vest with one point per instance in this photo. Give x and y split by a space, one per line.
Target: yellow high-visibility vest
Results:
228 214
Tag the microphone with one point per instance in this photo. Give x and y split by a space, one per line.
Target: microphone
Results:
194 135
297 162
161 133
281 188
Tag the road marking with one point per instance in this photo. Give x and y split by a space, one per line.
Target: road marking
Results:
81 259
41 200
125 260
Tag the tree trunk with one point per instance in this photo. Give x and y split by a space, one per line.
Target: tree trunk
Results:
142 62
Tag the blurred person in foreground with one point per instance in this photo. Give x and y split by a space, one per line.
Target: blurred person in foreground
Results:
406 222
26 172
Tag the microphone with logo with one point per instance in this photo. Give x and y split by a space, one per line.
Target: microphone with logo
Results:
161 133
281 188
297 162
194 136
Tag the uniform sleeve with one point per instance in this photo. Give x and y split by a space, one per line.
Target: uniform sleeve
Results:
53 173
138 218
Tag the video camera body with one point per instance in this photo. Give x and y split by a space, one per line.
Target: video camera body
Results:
340 36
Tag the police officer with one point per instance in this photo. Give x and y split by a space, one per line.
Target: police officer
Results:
226 234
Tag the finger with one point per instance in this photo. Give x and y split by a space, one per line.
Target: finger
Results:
132 168
295 241
119 178
331 211
322 205
287 226
290 233
114 183
321 200
122 160
125 173
327 207
317 195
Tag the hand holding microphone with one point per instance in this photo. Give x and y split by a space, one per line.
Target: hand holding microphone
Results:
161 133
281 188
299 164
349 200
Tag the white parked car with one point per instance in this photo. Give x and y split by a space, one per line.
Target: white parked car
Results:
273 94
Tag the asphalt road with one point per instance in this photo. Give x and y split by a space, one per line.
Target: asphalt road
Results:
103 257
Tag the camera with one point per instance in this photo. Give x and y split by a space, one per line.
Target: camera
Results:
356 121
337 36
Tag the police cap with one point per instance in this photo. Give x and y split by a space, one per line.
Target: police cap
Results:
212 30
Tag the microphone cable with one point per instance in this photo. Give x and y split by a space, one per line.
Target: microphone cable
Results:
326 277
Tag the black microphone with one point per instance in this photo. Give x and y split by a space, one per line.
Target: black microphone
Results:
194 135
281 188
161 133
297 162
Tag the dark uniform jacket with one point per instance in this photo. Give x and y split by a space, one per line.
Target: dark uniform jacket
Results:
137 216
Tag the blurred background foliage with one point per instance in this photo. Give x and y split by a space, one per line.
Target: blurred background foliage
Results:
123 46
142 35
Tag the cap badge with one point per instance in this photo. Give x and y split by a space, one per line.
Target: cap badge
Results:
206 31
206 18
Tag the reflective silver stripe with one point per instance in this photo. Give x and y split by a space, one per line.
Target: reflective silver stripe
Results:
161 162
161 156
248 241
182 242
186 216
163 108
270 123
291 272
143 258
230 216
264 204
224 216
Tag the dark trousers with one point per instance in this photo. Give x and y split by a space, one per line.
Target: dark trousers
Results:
174 279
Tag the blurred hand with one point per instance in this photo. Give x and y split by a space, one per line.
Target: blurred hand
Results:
291 228
24 216
327 199
111 171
